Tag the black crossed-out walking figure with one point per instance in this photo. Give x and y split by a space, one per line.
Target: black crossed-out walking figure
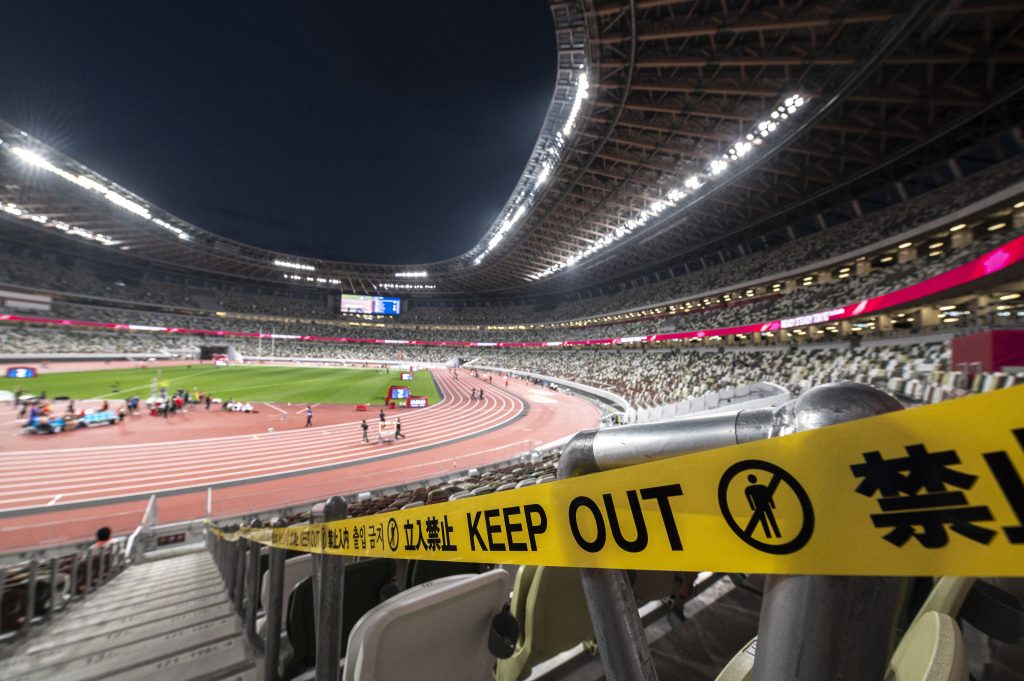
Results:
760 498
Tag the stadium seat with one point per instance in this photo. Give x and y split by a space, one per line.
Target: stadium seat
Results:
741 666
366 585
423 571
434 632
945 599
552 611
295 570
946 596
931 650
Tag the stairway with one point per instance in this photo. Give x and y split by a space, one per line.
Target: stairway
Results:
167 620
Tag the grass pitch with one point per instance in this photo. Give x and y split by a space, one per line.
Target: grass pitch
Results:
243 383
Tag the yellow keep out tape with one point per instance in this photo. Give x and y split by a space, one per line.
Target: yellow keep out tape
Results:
936 490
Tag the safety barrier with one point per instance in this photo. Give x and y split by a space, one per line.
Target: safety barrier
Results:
32 591
778 496
48 581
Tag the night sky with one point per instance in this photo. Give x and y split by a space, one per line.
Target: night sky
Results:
384 132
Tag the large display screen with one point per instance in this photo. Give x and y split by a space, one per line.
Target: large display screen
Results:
398 392
21 372
353 304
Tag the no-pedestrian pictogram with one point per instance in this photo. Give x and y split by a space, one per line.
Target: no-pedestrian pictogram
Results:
393 534
766 507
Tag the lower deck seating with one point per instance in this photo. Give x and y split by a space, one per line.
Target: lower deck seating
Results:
437 630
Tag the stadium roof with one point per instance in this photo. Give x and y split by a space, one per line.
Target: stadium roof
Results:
675 129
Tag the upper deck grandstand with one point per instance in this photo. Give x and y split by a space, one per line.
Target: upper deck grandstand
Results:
728 206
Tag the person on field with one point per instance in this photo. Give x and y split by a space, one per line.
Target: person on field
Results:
309 416
382 419
366 431
398 429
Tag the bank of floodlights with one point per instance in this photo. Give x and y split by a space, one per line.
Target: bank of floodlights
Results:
548 160
37 160
716 168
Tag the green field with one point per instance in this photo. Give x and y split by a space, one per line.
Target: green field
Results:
243 383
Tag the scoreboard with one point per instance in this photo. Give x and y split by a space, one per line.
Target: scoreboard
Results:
398 392
352 304
21 372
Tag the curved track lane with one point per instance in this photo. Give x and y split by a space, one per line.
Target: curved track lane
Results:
33 478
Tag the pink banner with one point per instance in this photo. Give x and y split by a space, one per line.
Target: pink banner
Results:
994 261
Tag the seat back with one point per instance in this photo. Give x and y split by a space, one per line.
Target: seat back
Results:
741 666
931 650
364 581
301 623
295 570
553 618
423 571
434 632
946 597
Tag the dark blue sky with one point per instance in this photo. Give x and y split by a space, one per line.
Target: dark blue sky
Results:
386 132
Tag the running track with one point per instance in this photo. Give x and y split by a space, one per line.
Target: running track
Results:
50 495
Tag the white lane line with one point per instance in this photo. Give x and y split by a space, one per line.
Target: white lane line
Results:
313 406
438 427
54 500
192 475
277 409
237 460
32 454
178 453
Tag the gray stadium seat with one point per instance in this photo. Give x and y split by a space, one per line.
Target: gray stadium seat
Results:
434 632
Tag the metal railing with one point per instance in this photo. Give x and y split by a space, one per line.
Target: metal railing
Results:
47 580
32 591
802 617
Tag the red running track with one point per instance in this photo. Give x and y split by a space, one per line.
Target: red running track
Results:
52 495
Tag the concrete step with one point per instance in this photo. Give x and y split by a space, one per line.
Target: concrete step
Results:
68 646
117 619
247 675
172 564
100 660
158 584
225 659
139 573
127 581
165 595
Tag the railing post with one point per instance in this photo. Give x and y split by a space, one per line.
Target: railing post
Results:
30 596
625 654
230 558
53 589
332 591
273 609
815 627
3 586
106 557
218 555
252 601
75 562
88 572
316 515
242 546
